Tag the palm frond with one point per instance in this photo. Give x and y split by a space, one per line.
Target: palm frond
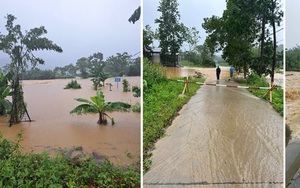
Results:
118 106
81 109
85 101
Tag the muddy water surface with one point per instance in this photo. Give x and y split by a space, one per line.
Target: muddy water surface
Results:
53 127
209 73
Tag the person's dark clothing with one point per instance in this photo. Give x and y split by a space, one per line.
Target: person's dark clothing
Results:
218 71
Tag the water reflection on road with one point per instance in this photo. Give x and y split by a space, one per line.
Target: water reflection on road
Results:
223 137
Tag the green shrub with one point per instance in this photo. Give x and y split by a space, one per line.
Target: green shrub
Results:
137 91
73 84
125 85
136 107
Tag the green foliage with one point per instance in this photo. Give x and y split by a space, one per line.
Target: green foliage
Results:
148 37
135 67
136 107
277 94
293 59
161 103
5 105
20 48
40 170
255 80
125 85
98 105
171 32
118 65
153 72
82 65
73 85
241 28
137 91
96 82
38 74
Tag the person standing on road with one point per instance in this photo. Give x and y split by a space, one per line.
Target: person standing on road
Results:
218 71
231 69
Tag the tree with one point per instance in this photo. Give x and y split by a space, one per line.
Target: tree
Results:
135 67
171 32
96 69
118 65
192 37
20 48
98 105
148 37
82 65
293 59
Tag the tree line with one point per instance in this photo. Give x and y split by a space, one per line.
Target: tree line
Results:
245 34
92 66
292 59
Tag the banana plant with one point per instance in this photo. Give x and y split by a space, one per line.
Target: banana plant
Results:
5 105
98 105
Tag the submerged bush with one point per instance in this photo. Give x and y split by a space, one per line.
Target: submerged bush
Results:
73 85
40 170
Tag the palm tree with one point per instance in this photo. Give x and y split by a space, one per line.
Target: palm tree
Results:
98 105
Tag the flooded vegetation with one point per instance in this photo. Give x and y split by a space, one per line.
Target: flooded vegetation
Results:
49 105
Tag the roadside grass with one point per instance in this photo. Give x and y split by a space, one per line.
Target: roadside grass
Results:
41 170
277 94
161 103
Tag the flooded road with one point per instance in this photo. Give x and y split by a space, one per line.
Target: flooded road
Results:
49 105
223 137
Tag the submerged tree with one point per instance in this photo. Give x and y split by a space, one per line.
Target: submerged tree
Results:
20 48
98 105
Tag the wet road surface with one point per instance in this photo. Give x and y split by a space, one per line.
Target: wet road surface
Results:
223 137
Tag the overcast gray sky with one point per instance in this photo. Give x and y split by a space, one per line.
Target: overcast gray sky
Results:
192 13
80 27
292 25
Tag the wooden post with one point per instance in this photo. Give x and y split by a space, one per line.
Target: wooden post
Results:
271 86
186 85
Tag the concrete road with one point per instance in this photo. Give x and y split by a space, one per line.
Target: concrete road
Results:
223 137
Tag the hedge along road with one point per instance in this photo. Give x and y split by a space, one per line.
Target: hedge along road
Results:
223 137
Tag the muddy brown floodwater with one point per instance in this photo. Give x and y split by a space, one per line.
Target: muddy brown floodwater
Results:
49 105
223 137
292 106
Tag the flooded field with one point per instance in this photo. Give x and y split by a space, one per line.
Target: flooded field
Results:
292 106
209 73
49 105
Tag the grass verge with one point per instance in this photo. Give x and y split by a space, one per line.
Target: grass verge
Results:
277 94
161 103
